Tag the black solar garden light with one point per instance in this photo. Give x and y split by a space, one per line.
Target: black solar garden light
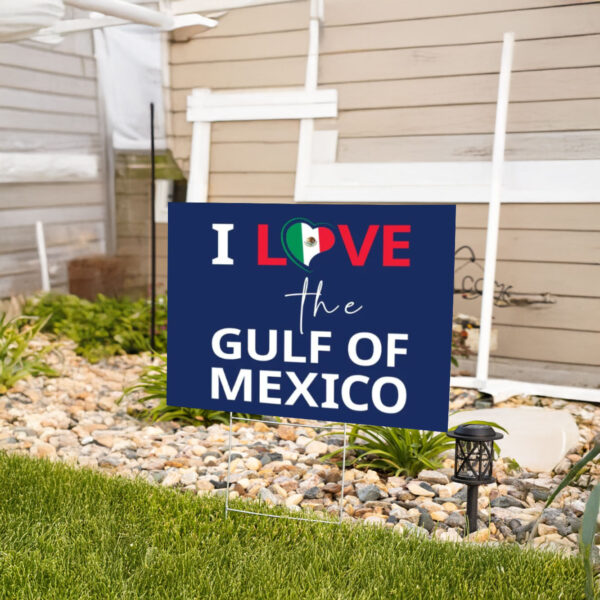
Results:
473 459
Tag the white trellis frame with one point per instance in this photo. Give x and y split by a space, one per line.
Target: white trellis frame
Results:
320 179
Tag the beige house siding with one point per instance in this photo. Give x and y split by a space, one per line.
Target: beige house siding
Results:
49 104
418 82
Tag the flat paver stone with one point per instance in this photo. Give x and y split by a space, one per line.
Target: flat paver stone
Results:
538 438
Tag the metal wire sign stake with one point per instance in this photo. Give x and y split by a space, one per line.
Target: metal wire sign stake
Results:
228 509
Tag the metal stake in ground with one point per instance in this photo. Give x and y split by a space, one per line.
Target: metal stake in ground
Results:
473 461
152 233
228 509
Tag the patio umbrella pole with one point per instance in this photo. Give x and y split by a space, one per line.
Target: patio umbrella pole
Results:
152 234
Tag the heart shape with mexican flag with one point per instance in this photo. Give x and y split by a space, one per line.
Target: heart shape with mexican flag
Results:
303 240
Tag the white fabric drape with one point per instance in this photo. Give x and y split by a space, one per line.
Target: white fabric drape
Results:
129 66
20 19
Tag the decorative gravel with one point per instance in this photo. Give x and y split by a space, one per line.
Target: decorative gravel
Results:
76 418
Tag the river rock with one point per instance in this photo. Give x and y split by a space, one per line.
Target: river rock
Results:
433 477
506 502
419 488
313 493
369 492
268 497
287 432
43 450
316 447
294 500
455 519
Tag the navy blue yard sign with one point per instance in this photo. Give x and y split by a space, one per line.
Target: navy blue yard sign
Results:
338 313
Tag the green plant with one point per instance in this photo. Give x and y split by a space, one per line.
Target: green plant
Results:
590 515
586 539
395 451
511 465
17 359
105 327
153 385
398 451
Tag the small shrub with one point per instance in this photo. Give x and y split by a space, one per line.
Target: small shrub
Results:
153 384
17 359
103 328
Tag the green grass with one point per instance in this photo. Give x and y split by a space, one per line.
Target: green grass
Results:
67 533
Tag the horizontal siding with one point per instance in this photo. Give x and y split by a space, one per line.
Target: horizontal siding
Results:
246 47
36 120
251 184
261 19
557 217
31 79
391 64
57 214
39 59
49 141
29 100
444 61
48 104
265 72
568 313
567 20
549 345
525 86
577 145
528 277
350 12
254 155
561 115
581 247
16 239
49 195
418 82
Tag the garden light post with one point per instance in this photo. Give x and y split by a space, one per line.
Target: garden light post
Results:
474 454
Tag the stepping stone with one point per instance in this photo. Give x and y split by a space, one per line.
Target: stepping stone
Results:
538 438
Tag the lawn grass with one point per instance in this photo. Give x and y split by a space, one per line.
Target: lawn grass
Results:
71 533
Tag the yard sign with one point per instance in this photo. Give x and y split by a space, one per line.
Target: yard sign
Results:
336 313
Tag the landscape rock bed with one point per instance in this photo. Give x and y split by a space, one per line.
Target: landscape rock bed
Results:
76 418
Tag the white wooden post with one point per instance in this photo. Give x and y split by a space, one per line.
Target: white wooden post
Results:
305 140
197 190
41 248
491 243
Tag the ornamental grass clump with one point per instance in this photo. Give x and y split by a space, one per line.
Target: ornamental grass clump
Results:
153 388
17 357
395 451
103 328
